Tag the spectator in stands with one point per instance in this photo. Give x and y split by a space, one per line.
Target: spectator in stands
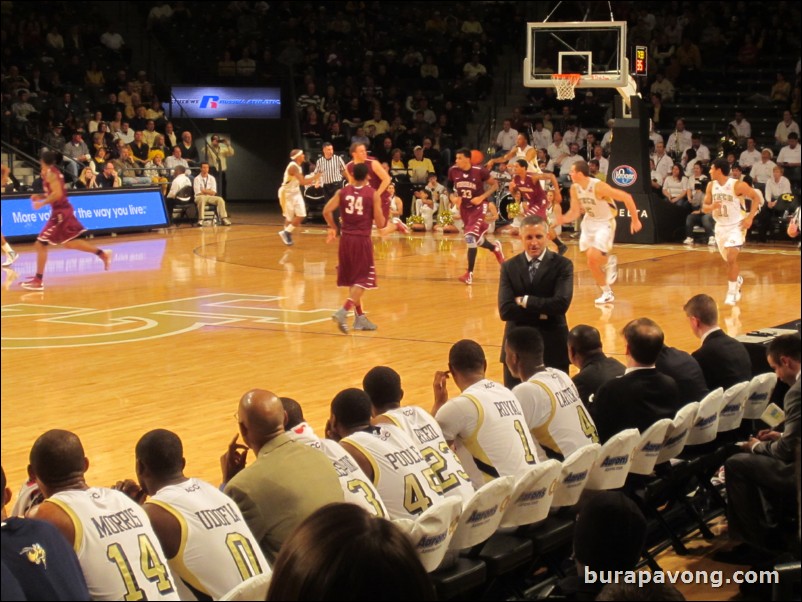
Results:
46 570
741 129
541 138
188 150
680 140
158 148
702 152
609 535
505 140
175 160
476 78
226 66
76 154
108 178
574 134
773 210
419 167
697 185
170 137
87 179
724 361
273 500
750 156
662 163
128 169
341 548
643 395
205 186
65 109
22 108
126 134
759 483
53 139
675 187
663 87
763 170
112 39
781 90
789 159
139 149
99 159
157 171
380 125
785 127
586 353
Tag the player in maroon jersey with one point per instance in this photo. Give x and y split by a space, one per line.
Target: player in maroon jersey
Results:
360 207
63 228
469 194
525 188
379 180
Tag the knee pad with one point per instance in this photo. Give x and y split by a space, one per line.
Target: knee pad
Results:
471 241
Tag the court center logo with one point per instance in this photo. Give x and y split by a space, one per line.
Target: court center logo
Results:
625 175
23 323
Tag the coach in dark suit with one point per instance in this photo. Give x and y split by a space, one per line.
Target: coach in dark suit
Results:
643 395
586 353
535 289
724 361
761 483
685 370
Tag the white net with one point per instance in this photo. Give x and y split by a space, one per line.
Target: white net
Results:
565 85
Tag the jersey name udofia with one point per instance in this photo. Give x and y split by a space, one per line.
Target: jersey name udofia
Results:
596 210
119 553
403 477
218 550
356 485
554 412
423 429
731 211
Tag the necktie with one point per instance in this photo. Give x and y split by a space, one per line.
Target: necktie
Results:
533 266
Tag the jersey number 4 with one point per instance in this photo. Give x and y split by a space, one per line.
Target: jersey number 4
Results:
151 565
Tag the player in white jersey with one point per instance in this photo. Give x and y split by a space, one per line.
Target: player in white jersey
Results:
555 415
723 198
290 196
383 386
208 545
386 454
595 199
120 555
521 150
357 487
485 422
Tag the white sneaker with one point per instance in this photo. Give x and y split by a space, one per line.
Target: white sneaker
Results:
11 257
711 242
688 241
605 298
612 269
732 299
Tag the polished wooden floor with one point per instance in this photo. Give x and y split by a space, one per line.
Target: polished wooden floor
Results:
189 319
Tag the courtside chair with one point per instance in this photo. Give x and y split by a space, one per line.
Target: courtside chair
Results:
705 426
615 459
760 389
479 519
677 435
733 406
649 448
431 532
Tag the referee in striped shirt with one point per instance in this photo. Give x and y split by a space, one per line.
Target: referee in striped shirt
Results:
332 168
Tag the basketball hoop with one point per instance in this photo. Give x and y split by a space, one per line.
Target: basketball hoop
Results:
564 84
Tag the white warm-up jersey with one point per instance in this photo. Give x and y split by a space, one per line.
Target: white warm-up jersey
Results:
120 556
403 477
490 431
423 429
356 485
554 413
218 550
732 210
596 210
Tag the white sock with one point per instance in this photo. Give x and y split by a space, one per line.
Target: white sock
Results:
7 248
732 286
289 229
607 290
